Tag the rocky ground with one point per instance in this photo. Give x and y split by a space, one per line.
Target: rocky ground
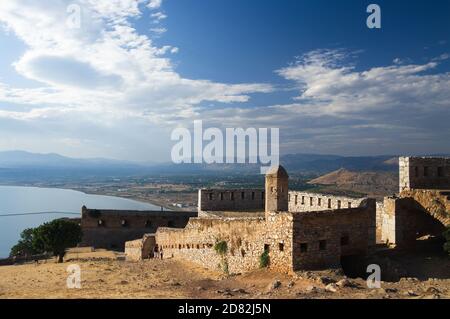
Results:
107 275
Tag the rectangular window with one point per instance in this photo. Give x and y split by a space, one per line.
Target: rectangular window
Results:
221 196
349 205
281 246
329 203
253 195
210 196
323 245
303 248
339 204
319 201
232 195
296 199
242 195
303 200
266 247
311 201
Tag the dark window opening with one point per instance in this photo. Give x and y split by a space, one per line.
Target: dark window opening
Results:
253 195
322 245
242 195
296 199
210 196
232 196
339 204
319 201
349 205
329 203
311 201
425 171
345 240
266 247
303 200
221 196
281 246
303 248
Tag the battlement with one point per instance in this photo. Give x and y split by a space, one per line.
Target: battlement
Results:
210 200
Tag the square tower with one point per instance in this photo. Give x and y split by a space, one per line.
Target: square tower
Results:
277 190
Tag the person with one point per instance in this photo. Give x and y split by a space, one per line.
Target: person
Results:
161 253
155 252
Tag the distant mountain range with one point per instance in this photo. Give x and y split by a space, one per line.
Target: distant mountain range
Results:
24 165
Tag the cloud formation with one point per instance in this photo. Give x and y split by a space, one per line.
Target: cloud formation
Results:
106 89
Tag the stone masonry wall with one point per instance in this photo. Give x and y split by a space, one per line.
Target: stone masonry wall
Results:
321 238
424 173
304 202
405 219
140 249
110 229
246 238
230 200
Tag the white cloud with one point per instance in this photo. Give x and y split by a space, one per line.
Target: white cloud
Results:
154 4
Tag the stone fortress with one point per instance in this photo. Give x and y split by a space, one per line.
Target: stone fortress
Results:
296 230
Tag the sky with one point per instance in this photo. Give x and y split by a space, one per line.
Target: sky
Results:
119 82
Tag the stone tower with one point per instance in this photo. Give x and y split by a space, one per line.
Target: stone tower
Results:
277 182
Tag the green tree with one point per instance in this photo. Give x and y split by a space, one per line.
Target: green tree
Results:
25 245
55 237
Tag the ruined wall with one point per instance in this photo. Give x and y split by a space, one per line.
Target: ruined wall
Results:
230 200
140 249
424 173
110 229
246 238
321 238
405 219
304 202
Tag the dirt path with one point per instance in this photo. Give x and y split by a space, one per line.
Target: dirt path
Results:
112 278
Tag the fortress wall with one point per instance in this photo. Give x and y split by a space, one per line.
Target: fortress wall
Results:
424 173
231 200
140 249
246 239
110 229
304 202
408 218
321 238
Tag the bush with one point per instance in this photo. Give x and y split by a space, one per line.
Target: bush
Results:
221 248
264 259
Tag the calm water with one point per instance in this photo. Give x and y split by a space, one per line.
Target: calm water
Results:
18 200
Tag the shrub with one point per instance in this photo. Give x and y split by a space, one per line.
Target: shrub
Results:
221 247
264 259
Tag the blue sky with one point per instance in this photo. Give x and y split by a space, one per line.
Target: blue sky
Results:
136 69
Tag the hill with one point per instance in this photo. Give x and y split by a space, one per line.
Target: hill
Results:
369 183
